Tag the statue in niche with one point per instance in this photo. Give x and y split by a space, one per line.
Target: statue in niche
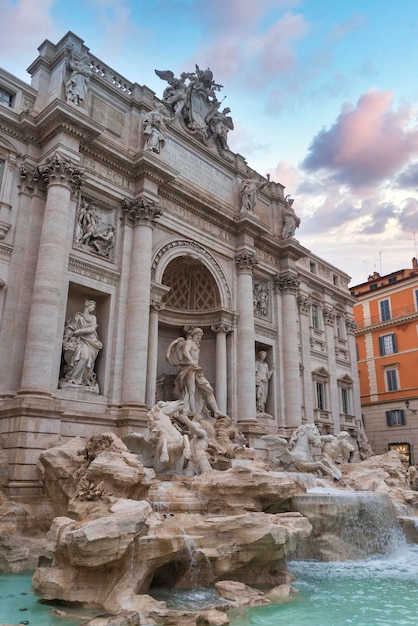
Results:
155 129
81 346
262 378
291 220
196 391
261 298
249 191
97 236
77 85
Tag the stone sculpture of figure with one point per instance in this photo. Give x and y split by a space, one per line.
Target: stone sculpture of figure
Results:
155 128
88 222
219 124
291 220
175 94
335 446
262 377
81 346
104 240
77 85
199 444
249 191
195 389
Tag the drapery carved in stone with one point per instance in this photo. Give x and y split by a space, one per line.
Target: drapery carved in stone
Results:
141 211
246 260
94 231
261 298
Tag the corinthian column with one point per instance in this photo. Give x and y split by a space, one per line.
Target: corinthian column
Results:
288 284
221 330
246 261
41 364
140 215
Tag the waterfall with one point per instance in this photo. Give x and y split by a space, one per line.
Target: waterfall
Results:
347 525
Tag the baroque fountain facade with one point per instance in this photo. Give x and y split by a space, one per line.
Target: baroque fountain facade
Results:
168 346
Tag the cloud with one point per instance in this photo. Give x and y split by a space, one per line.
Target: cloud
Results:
367 144
27 19
408 217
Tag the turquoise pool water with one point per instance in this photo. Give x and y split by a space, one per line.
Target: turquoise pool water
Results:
372 592
18 605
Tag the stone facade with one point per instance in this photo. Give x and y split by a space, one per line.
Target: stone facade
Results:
113 196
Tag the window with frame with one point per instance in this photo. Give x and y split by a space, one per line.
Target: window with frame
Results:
384 310
339 326
315 315
387 344
6 97
396 417
392 383
321 403
345 400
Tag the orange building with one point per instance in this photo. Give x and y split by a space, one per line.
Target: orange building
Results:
386 313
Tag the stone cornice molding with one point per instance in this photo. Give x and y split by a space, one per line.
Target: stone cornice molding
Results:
85 268
287 282
149 166
247 223
4 228
60 170
141 211
60 117
246 261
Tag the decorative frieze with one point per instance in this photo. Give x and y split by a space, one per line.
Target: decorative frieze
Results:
102 274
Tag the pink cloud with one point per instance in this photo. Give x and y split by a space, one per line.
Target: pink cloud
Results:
368 143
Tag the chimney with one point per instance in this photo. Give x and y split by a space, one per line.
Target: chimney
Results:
414 263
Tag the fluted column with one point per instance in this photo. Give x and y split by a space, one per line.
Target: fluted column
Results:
221 330
40 373
246 261
288 284
140 215
156 305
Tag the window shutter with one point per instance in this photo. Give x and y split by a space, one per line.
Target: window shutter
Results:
394 343
388 418
381 346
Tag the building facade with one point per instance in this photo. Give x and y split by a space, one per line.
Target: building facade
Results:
386 313
126 221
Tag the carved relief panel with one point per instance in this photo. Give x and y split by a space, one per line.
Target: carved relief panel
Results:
94 231
262 299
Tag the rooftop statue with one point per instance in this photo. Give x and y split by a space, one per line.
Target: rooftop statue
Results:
249 191
290 220
77 85
192 98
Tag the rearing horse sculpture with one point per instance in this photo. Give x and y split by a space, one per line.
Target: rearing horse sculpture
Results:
171 448
297 453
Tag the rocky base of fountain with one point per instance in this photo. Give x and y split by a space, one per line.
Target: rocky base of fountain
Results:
117 531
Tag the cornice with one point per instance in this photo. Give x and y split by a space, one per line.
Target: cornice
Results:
404 319
59 117
97 272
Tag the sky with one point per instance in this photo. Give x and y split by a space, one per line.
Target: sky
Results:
323 95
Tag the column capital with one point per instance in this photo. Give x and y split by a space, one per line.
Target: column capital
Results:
59 169
141 211
303 303
329 315
351 325
288 282
246 260
156 304
222 327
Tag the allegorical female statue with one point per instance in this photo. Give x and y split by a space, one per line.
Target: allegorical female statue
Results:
81 346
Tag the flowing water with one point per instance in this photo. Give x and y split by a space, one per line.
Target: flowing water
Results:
371 592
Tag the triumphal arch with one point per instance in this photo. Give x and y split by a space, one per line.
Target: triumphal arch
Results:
133 243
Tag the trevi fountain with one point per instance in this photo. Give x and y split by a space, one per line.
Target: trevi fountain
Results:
187 524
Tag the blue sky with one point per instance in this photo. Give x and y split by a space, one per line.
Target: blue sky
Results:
323 94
